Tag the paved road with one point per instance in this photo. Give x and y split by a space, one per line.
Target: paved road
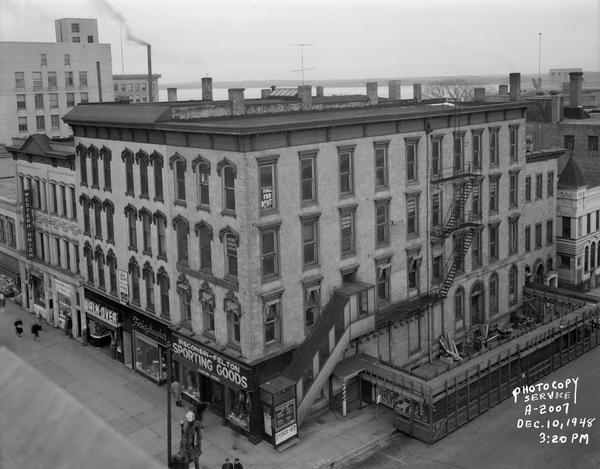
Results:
492 441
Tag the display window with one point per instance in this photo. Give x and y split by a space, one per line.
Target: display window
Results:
64 305
98 330
150 359
37 286
190 382
239 414
7 285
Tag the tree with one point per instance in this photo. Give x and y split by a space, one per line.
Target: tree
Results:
454 90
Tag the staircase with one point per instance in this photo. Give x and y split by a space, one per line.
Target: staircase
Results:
455 217
456 258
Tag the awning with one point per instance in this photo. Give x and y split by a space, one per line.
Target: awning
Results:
9 265
353 365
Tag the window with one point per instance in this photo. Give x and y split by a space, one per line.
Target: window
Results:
476 142
21 103
123 87
597 220
382 223
569 142
68 79
185 301
347 232
100 267
110 221
228 172
436 156
134 274
494 194
232 310
106 156
205 234
57 249
493 292
157 162
412 216
207 303
528 188
437 266
52 80
86 215
127 157
39 101
513 235
586 259
19 80
549 232
37 81
131 214
308 177
163 286
459 304
90 39
514 143
70 99
476 199
270 253
146 217
55 121
83 79
38 195
383 269
267 175
93 154
551 184
310 242
231 241
76 39
592 143
513 190
493 242
67 59
589 223
272 317
74 27
346 171
83 97
22 123
381 172
527 238
494 147
412 170
538 235
161 223
63 198
436 209
54 198
182 231
459 149
566 227
476 249
413 269
143 162
539 188
89 262
40 122
178 163
202 169
148 276
513 285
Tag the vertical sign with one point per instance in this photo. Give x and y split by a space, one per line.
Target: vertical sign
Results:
123 286
28 222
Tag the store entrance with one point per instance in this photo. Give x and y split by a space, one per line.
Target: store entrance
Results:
213 394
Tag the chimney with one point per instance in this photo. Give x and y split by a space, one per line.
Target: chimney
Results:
372 92
171 94
320 91
417 92
557 108
479 95
150 93
515 86
305 95
264 93
575 85
502 89
207 89
394 90
236 98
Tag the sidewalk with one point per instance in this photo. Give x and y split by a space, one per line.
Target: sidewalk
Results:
136 407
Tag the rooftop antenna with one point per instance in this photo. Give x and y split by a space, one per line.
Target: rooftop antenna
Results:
122 63
302 69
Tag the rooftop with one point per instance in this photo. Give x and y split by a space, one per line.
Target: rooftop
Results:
135 76
42 145
578 170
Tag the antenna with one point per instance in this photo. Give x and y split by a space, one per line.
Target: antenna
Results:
302 69
122 63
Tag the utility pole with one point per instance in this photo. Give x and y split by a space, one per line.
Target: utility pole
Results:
122 63
302 69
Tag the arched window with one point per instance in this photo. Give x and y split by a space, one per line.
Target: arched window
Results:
593 256
160 220
178 164
549 264
134 274
85 203
93 154
182 230
312 306
163 286
586 259
146 218
272 319
82 155
207 302
493 294
228 172
184 290
127 157
131 214
205 235
477 304
106 157
513 286
111 261
156 159
459 304
231 241
142 159
97 204
201 167
89 262
99 256
148 276
232 309
109 208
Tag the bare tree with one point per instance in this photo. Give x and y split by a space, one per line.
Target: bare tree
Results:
454 90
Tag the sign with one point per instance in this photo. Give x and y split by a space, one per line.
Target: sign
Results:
268 421
150 328
211 364
101 312
123 286
285 414
286 434
28 223
266 198
63 288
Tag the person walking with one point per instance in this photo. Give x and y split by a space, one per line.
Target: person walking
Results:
2 303
176 391
19 327
237 464
69 326
227 464
35 331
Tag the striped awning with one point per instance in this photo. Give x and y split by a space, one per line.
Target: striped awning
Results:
9 265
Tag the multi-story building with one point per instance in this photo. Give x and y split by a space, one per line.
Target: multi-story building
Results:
134 88
41 81
324 225
48 221
10 238
76 30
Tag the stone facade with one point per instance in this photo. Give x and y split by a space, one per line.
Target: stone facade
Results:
134 87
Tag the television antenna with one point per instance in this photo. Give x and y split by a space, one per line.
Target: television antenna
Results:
302 69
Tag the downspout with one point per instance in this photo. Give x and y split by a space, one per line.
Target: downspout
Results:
427 238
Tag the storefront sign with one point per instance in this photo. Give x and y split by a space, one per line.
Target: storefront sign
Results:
286 434
268 422
101 312
211 364
28 223
149 329
123 286
63 288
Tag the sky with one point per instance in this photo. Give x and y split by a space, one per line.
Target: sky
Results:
253 39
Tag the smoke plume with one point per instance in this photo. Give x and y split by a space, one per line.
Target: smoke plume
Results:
109 10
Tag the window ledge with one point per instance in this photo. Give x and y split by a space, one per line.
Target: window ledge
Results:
180 203
132 248
162 257
228 213
147 253
129 194
108 189
144 196
159 199
204 208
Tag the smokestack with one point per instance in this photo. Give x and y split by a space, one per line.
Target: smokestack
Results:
305 95
479 95
150 93
575 85
394 90
320 91
515 86
236 98
502 89
171 94
207 89
557 108
372 92
417 92
265 92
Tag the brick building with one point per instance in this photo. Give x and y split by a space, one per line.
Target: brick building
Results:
324 225
134 88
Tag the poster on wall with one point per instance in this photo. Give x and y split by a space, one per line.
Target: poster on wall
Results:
123 286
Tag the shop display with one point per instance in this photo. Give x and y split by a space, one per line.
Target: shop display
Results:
149 358
189 382
7 286
240 409
97 330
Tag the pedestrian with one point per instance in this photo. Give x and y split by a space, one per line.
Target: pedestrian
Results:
199 411
69 326
237 464
234 438
2 303
113 345
35 331
19 327
227 464
38 320
176 391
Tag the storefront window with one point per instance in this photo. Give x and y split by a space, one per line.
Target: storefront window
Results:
98 330
39 296
239 413
149 358
7 286
189 381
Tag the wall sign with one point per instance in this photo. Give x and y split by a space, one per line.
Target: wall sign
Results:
150 328
123 286
210 363
286 434
101 312
285 414
28 223
63 288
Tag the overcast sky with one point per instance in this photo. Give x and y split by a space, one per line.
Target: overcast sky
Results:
251 39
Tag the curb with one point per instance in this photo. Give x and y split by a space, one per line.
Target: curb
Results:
355 455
